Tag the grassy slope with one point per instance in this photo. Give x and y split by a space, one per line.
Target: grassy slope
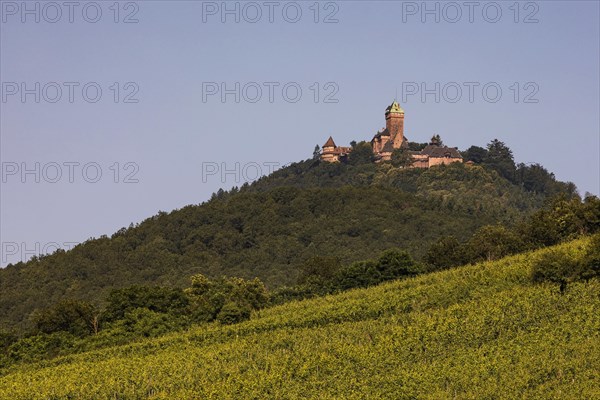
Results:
478 331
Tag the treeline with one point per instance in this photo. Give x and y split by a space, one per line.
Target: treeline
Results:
132 313
359 169
143 311
325 275
562 219
497 156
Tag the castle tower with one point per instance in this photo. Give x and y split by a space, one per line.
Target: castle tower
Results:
329 145
329 153
394 122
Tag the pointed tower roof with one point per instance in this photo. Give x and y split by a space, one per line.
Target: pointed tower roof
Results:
394 108
329 142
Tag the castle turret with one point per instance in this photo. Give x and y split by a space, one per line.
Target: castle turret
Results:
329 145
329 151
394 123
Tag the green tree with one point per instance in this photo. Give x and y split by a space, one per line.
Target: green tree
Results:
391 264
158 299
357 274
591 259
557 266
493 242
401 158
318 270
6 339
447 252
208 297
476 154
415 146
562 218
142 322
436 140
317 152
561 266
73 316
232 313
396 263
500 158
38 346
362 153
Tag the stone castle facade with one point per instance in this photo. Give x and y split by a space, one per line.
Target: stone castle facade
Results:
391 138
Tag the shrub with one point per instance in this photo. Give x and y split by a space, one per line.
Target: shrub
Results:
158 299
591 259
142 322
232 313
289 293
317 270
39 346
556 265
358 274
209 297
561 266
447 252
391 264
73 316
493 242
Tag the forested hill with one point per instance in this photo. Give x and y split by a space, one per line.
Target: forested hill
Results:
269 228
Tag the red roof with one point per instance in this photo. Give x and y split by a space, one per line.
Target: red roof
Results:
329 142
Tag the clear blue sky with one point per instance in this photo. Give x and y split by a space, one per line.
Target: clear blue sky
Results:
177 48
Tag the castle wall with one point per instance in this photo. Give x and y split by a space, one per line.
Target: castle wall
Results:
420 161
376 144
433 161
329 157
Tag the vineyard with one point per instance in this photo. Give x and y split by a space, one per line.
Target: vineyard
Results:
479 331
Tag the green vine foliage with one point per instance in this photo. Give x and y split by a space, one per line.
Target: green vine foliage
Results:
477 331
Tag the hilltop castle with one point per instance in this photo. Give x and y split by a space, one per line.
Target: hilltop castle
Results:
391 138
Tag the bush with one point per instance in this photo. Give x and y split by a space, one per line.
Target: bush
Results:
357 274
40 346
447 252
317 270
557 266
492 243
142 322
158 299
209 297
289 293
591 259
391 264
73 316
562 267
232 313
